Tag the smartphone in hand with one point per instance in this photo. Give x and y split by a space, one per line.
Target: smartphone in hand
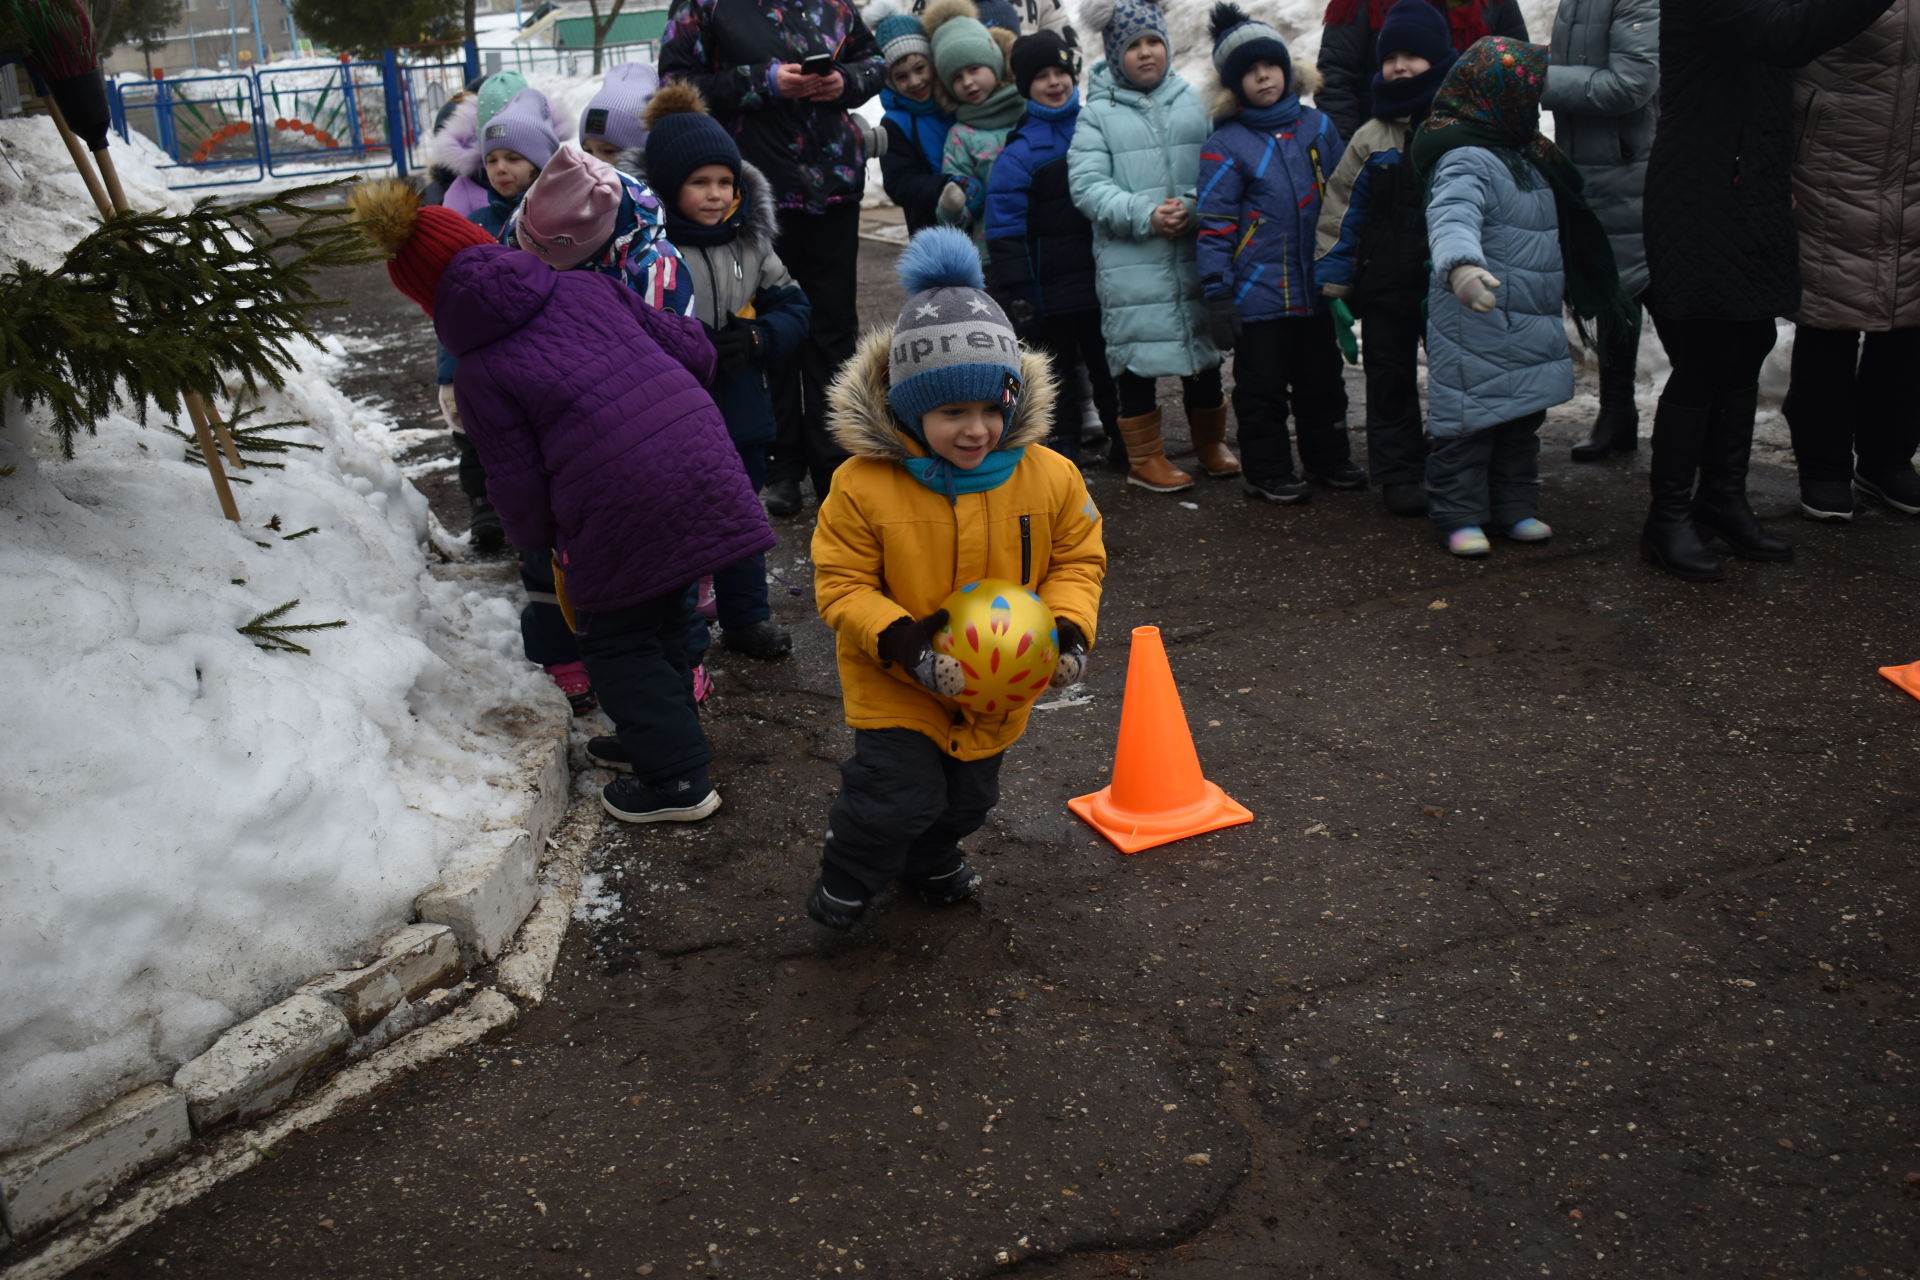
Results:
819 64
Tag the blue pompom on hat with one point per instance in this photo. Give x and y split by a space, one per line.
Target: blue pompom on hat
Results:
952 344
1240 40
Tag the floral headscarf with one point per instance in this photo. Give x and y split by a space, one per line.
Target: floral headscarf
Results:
1491 100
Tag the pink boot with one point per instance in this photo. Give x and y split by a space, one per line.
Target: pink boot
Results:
572 679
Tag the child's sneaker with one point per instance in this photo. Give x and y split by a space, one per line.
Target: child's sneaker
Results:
1899 488
1344 475
571 677
1470 542
702 684
1289 488
607 752
687 799
1531 530
949 888
837 914
704 602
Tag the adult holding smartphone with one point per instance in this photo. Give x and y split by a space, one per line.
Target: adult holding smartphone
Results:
783 77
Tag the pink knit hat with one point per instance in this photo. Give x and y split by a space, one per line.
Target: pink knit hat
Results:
570 209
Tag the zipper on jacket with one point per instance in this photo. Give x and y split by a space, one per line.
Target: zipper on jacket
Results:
1026 549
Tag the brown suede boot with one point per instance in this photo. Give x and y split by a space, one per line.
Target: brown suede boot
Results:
1151 470
1209 428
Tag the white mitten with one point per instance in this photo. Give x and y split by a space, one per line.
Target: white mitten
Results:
450 410
1473 285
953 205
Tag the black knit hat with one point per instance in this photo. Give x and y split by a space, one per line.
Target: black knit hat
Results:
681 138
1416 27
1035 53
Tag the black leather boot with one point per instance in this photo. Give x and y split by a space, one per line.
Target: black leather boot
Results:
1616 428
1720 507
1669 538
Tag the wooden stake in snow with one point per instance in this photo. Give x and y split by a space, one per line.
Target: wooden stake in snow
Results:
63 53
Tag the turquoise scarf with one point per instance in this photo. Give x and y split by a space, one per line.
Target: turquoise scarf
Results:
943 477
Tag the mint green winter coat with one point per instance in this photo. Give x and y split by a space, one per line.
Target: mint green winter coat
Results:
1131 150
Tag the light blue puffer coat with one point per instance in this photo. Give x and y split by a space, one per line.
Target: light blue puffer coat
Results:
1131 150
1486 369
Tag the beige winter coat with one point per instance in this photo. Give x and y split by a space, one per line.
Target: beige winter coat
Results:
1856 178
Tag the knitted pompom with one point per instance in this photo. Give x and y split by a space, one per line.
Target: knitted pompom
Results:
1224 18
385 211
941 12
940 256
1096 15
674 98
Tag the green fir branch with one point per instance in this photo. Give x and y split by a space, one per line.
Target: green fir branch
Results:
267 632
157 306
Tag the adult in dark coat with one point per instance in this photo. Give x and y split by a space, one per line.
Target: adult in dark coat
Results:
1722 254
1348 61
798 130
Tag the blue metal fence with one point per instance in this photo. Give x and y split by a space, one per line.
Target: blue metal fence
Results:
289 122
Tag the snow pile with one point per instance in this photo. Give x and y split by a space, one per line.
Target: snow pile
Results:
192 824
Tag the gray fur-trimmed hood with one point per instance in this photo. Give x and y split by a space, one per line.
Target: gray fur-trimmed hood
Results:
862 421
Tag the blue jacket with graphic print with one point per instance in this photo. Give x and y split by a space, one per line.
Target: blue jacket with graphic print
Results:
1258 202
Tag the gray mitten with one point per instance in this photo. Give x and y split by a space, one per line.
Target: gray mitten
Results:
909 643
1072 667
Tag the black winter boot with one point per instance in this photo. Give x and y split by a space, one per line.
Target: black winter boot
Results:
1669 538
485 534
1616 428
1720 507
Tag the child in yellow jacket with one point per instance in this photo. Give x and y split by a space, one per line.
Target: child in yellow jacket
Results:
946 486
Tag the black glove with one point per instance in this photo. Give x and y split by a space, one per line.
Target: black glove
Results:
909 644
1072 667
1021 314
739 347
1223 318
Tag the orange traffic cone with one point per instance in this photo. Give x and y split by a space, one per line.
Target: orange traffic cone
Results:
1158 794
1907 677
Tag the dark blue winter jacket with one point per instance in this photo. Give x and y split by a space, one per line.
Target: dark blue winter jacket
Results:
910 170
1039 246
1258 203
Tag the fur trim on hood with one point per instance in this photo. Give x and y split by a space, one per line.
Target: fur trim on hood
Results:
861 419
1224 105
455 146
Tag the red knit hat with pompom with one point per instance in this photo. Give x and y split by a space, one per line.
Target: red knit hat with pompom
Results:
438 234
417 240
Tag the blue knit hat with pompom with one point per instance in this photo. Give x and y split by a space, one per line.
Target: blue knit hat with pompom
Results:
953 343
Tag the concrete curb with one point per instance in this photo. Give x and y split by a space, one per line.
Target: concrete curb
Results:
374 1013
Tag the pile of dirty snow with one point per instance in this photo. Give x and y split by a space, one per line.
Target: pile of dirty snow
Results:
192 824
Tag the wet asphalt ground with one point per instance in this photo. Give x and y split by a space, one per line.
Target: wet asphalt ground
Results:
1576 935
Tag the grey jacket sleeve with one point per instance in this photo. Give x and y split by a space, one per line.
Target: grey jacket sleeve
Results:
1629 78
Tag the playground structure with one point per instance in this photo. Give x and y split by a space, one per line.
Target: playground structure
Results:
315 117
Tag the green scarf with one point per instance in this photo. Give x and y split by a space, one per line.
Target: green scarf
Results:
1491 100
1000 109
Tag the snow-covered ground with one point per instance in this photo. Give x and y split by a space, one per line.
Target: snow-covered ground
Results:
191 824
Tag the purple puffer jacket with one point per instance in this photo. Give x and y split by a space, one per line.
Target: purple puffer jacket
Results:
587 410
